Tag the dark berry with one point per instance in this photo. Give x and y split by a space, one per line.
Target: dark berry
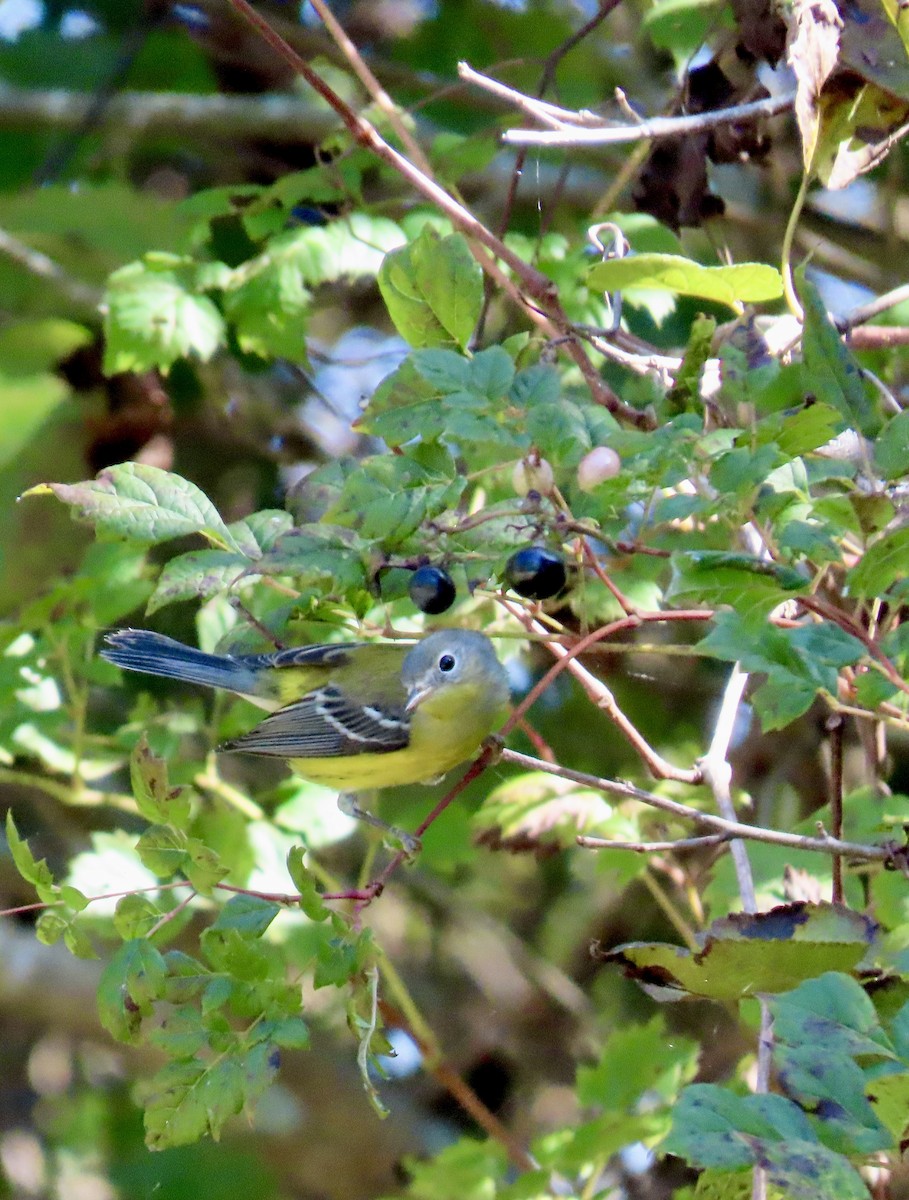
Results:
432 589
535 573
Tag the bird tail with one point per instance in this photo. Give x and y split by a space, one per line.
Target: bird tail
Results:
155 654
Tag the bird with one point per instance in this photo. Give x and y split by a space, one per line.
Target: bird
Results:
356 716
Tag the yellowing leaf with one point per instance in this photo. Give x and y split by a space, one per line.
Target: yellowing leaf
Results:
742 283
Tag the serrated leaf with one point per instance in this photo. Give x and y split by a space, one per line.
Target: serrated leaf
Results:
130 983
833 373
491 372
749 585
291 1033
433 290
155 799
78 942
306 884
163 850
326 556
743 283
154 316
712 1127
135 915
32 870
143 504
203 868
50 927
750 954
199 573
247 915
539 384
891 448
535 810
181 1034
883 564
634 1060
175 1107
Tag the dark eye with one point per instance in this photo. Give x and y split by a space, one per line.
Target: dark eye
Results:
447 662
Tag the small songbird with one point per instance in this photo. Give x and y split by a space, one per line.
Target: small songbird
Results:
355 717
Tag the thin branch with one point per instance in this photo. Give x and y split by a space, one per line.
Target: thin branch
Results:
692 843
77 292
754 833
372 85
542 292
599 694
718 775
231 117
540 110
657 127
835 730
873 308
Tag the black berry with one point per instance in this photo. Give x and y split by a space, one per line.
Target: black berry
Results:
535 573
431 589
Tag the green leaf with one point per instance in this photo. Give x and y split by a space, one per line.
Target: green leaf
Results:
50 927
831 1084
740 284
797 663
885 563
155 800
535 810
326 556
78 942
181 1034
891 449
712 1127
750 954
130 983
750 585
685 392
247 915
491 372
433 290
290 1032
32 870
142 504
681 26
135 915
833 374
635 1060
163 850
203 868
153 316
306 884
176 1111
199 573
833 1011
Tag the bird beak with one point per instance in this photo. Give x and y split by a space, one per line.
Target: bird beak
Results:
416 698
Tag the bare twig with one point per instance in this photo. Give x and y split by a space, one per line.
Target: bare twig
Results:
372 85
656 127
541 292
692 843
835 729
599 694
717 775
139 112
873 308
754 833
540 110
77 292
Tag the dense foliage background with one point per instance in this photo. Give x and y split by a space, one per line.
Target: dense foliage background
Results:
284 317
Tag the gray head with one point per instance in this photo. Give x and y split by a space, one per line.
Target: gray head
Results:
452 656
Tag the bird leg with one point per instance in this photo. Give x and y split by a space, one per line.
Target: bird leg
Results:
347 802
